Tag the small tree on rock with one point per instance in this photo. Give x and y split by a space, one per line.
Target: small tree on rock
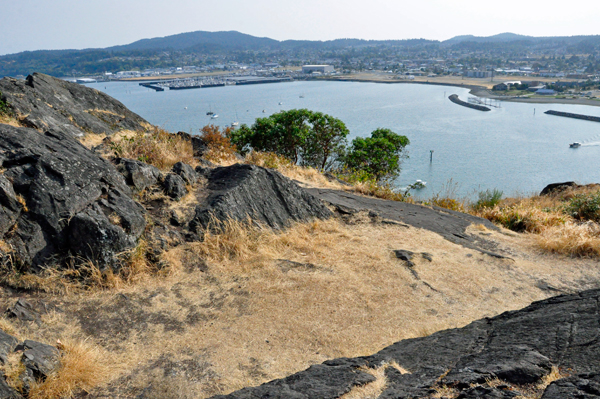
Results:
379 155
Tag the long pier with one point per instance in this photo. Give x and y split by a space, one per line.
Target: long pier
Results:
576 116
454 98
152 85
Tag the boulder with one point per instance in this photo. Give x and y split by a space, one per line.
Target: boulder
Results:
516 364
265 196
557 187
480 392
138 174
43 102
174 186
7 345
67 190
584 386
23 310
6 392
517 346
186 172
11 208
40 358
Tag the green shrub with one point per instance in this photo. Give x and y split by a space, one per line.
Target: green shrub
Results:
379 155
4 109
488 199
585 207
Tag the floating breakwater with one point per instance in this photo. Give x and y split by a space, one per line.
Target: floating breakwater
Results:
576 116
454 98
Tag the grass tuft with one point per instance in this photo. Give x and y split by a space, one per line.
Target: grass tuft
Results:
83 367
155 147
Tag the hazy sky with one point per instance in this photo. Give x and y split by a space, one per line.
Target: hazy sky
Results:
62 24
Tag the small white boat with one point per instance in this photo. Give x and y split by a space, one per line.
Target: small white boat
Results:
575 145
234 124
280 103
214 116
264 112
419 184
184 107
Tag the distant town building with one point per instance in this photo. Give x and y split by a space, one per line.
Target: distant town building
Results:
317 68
479 74
546 92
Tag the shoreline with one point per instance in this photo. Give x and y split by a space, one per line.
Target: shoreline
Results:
479 91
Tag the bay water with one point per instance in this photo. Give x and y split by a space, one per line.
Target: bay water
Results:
515 148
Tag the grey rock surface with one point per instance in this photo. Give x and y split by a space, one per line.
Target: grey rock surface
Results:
585 386
7 345
68 191
10 208
519 345
23 310
186 172
43 102
449 224
6 392
138 174
557 187
41 359
263 195
174 186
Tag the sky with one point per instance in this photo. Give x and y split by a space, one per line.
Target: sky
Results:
76 24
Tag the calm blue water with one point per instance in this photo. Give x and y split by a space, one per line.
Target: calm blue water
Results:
508 148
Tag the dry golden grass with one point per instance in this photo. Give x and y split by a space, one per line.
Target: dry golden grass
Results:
307 175
347 296
83 367
12 369
445 392
373 189
371 390
536 391
90 140
156 147
10 120
571 239
524 216
84 275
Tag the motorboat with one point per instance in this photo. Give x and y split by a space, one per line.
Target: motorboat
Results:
214 116
419 184
575 145
234 124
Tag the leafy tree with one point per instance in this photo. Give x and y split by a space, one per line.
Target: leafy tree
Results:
306 137
379 155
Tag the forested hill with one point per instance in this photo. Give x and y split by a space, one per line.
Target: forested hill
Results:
205 48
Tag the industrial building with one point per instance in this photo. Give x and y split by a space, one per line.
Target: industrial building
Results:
317 68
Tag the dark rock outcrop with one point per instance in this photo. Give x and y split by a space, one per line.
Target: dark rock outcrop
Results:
73 202
23 310
174 186
449 224
7 345
586 386
138 174
39 358
557 187
44 103
263 195
186 172
6 392
518 347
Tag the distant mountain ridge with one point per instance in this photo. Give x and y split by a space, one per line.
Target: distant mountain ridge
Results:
193 48
501 37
